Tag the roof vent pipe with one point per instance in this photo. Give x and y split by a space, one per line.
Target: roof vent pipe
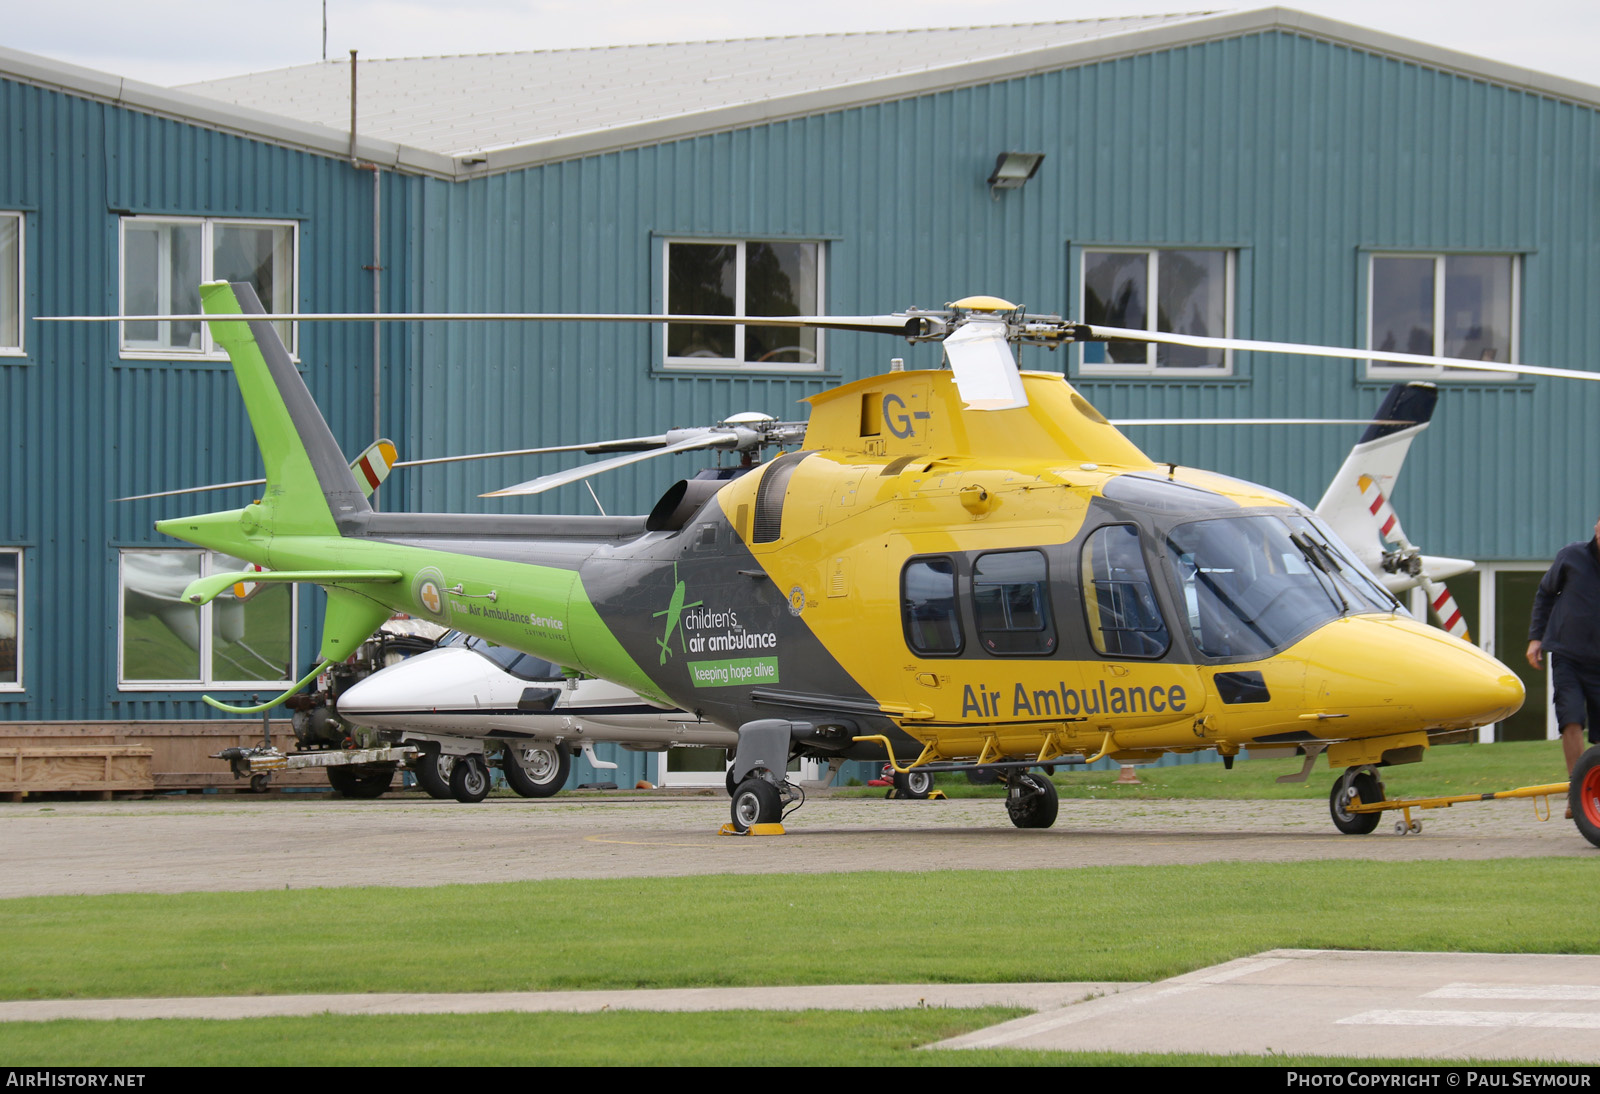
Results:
353 108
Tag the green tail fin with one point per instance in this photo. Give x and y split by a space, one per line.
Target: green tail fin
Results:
310 490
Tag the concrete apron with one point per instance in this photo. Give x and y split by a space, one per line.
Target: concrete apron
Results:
1446 1006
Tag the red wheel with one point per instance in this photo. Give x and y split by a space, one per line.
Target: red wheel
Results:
1584 795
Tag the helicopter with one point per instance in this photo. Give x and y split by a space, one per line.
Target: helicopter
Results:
958 567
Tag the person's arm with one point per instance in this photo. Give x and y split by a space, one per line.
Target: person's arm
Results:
1543 601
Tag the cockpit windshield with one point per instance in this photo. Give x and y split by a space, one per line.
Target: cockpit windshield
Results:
1255 584
524 666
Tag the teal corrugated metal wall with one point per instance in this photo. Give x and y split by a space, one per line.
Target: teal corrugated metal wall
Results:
84 427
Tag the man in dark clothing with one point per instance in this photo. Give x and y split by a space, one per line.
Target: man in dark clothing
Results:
1566 625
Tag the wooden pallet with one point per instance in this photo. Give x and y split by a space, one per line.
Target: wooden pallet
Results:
95 769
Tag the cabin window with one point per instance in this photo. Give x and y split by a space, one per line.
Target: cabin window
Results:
1011 603
1459 305
165 643
11 601
165 259
928 606
1189 291
743 277
11 287
1124 617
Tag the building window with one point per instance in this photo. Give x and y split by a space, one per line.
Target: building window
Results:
1192 293
165 260
754 277
1444 306
11 254
231 642
11 601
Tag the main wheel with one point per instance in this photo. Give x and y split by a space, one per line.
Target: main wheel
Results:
432 770
469 779
1348 789
1583 795
351 782
536 771
756 801
913 784
1032 801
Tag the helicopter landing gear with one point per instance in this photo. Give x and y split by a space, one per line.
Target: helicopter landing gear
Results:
756 801
916 785
1031 800
756 779
1358 785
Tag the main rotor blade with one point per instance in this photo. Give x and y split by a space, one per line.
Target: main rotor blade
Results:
624 444
1123 334
370 469
194 490
1120 422
583 471
872 324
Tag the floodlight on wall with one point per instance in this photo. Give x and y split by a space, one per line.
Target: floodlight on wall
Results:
1012 169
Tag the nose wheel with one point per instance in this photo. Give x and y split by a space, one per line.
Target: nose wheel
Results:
1357 786
1031 800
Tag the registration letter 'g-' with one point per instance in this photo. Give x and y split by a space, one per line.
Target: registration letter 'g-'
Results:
900 423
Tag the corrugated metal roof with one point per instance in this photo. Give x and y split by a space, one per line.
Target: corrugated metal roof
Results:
457 106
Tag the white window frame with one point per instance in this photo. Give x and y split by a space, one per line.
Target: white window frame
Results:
208 349
1153 282
737 363
22 629
20 349
1389 371
208 679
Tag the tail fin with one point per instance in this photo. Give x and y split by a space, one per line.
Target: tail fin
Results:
310 489
1378 456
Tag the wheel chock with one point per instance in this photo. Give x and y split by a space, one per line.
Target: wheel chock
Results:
936 796
773 829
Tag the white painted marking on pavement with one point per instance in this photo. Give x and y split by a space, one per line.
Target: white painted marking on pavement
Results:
1583 993
1475 1018
1045 1021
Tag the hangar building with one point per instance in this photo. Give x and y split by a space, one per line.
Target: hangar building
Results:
1269 174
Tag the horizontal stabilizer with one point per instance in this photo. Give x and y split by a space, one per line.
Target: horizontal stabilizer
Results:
203 590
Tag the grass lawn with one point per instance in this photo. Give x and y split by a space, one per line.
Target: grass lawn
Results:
623 1038
1111 923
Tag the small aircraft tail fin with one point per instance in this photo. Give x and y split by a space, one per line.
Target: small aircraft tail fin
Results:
310 488
1404 413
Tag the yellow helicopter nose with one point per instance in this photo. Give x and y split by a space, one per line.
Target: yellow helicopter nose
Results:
1391 674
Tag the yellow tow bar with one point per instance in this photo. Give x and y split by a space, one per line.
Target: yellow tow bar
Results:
1541 807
